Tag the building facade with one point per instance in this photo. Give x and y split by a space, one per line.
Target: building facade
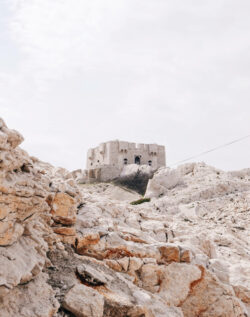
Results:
119 153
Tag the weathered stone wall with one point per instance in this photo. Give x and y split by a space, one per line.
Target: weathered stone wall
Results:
104 173
117 153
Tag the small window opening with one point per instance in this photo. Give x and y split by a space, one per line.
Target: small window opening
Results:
125 161
137 160
150 163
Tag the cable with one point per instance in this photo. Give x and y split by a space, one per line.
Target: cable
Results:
211 150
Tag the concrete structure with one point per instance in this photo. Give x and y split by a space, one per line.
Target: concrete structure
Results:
108 159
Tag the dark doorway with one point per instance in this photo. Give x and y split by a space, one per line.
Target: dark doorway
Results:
150 163
125 161
137 160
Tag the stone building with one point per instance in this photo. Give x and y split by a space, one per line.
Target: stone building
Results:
108 159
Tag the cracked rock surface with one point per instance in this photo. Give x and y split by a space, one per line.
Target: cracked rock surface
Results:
83 250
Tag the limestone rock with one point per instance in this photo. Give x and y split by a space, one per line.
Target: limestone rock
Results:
90 275
35 298
114 265
207 291
220 269
176 281
243 293
85 250
9 139
163 180
63 209
186 256
170 253
84 301
21 262
150 277
65 231
85 242
135 177
10 233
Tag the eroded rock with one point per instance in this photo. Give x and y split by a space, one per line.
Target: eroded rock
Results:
84 301
63 209
83 250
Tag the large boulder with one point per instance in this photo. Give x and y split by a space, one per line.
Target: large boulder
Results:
163 180
63 209
135 177
84 301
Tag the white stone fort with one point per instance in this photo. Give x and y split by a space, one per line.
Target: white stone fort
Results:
108 159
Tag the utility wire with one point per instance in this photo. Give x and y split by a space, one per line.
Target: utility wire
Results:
211 150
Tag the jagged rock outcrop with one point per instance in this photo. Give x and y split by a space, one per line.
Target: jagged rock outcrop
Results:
26 222
23 189
135 177
163 180
84 250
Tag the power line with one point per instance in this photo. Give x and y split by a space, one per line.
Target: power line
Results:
211 150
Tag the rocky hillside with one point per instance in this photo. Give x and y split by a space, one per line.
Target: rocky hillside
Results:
84 250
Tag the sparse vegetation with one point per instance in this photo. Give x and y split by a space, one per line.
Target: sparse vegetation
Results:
140 201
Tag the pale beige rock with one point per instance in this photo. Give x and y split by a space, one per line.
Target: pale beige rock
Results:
192 230
243 293
66 231
33 299
21 262
162 181
209 298
220 269
91 275
23 190
124 262
9 139
84 301
10 233
150 275
134 264
176 281
188 248
113 264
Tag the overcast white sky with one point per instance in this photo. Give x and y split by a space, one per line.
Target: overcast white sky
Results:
74 73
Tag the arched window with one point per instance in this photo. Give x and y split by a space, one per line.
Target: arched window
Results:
137 160
150 163
125 161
